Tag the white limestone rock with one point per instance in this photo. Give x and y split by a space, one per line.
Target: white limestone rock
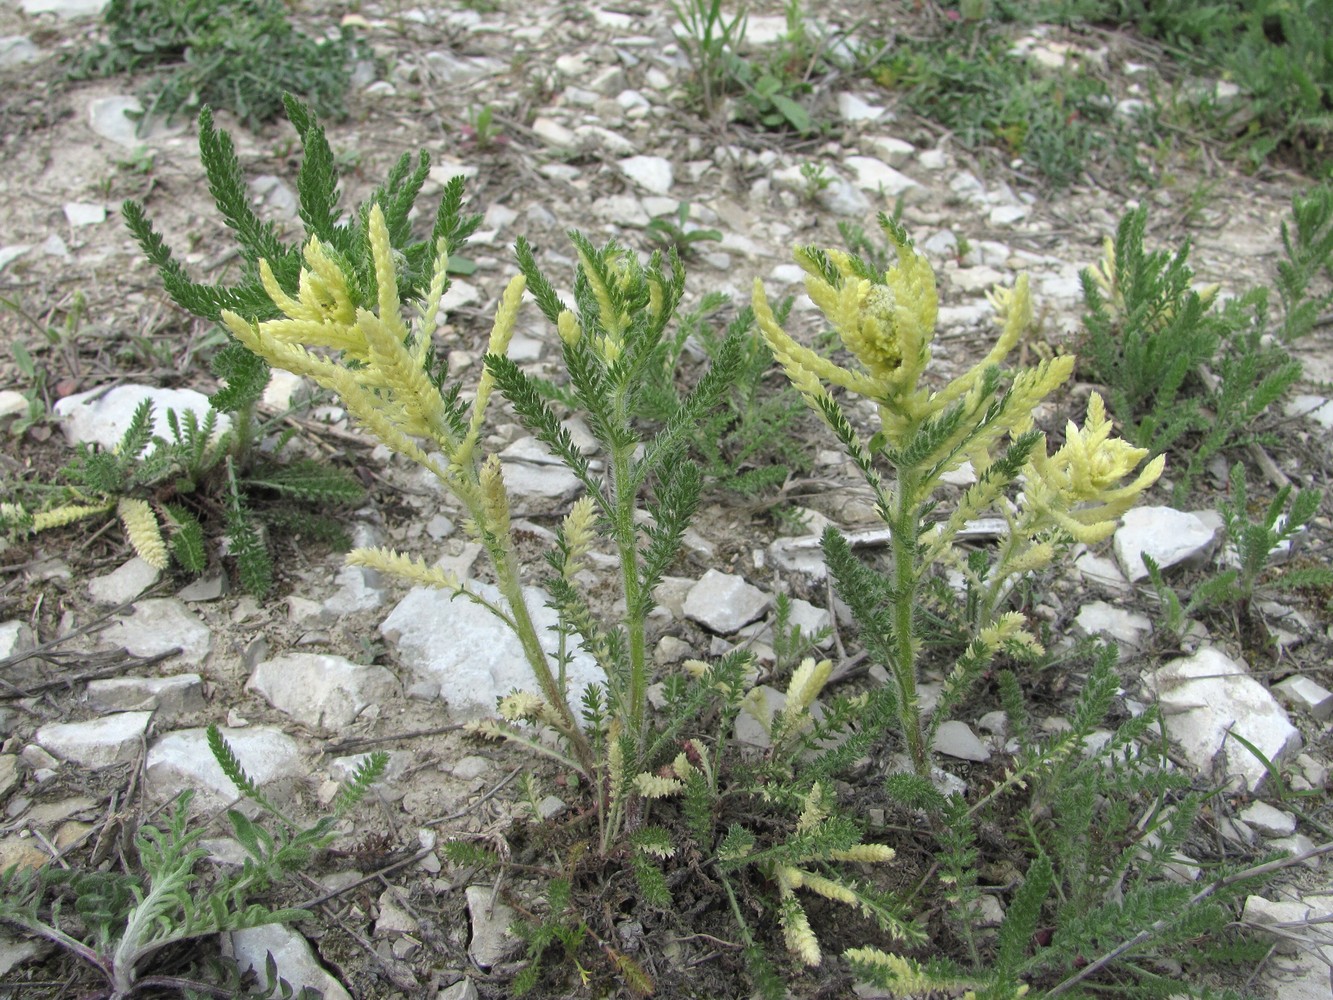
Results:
84 213
877 176
1304 694
167 696
956 739
295 959
491 941
853 108
1269 821
109 118
1205 696
893 151
160 625
359 589
97 743
1314 408
1169 536
15 50
182 759
15 638
844 198
723 603
652 173
461 650
1128 629
124 583
64 9
102 417
321 691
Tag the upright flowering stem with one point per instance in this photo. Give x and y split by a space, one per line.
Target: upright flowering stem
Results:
887 322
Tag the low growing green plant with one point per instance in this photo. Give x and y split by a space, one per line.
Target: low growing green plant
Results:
673 231
1305 278
709 40
242 55
1248 548
123 919
164 489
1178 368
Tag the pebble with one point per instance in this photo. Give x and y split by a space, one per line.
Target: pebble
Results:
65 9
295 960
124 583
101 416
652 173
956 739
169 697
1267 820
322 692
15 50
1303 694
1127 629
724 603
1203 697
1170 537
83 213
182 759
468 655
491 941
160 625
97 743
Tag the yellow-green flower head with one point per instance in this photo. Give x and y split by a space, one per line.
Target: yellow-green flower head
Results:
888 325
1094 462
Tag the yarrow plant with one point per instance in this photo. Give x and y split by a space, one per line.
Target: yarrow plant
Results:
985 418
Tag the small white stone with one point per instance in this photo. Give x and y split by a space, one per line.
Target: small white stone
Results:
1304 694
876 175
84 213
1007 215
933 159
15 50
652 173
107 117
491 941
160 625
554 134
172 696
322 692
1169 536
852 108
124 583
98 743
1204 697
1127 629
182 760
295 959
893 151
724 603
101 417
1260 913
956 739
1267 820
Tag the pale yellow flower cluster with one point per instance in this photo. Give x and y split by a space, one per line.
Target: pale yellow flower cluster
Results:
379 369
1079 488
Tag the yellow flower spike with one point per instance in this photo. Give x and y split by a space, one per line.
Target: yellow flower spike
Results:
579 529
865 853
653 786
803 366
495 498
806 682
386 273
520 706
822 886
408 568
58 517
655 299
813 811
430 310
568 326
611 320
143 531
796 930
1011 627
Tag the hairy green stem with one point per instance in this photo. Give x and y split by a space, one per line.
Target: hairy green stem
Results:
902 541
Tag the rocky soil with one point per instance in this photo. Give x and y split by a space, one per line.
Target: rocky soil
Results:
111 670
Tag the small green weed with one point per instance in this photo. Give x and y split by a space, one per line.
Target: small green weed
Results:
1176 366
242 55
675 232
122 920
